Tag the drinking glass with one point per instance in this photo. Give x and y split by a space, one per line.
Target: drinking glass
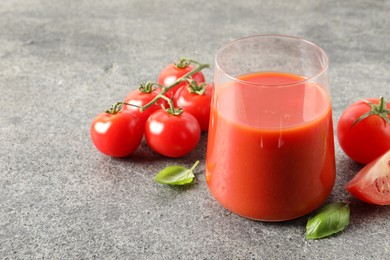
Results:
270 153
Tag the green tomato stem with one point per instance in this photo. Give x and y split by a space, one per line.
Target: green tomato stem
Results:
379 110
146 87
171 110
381 105
182 63
165 89
115 108
195 88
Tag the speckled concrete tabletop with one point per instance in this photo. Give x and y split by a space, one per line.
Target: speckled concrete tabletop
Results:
62 62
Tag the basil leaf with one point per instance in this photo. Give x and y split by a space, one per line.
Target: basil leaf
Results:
176 175
331 219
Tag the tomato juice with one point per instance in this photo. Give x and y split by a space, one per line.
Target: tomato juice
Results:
270 153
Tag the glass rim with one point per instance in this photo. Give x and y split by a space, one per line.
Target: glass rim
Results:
325 62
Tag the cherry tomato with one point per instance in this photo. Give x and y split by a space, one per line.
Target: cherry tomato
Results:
363 130
172 135
140 98
197 103
174 71
117 134
372 183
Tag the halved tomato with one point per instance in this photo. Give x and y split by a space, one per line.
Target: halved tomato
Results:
372 183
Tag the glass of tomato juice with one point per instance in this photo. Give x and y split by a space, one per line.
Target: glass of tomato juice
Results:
270 153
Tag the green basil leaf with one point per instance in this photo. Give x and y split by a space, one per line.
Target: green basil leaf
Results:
329 220
176 175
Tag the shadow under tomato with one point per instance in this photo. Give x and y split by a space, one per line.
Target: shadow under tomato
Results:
145 155
347 168
365 214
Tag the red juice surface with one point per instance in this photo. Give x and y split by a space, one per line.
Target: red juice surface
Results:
270 153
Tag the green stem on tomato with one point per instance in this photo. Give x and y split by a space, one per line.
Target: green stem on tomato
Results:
182 63
196 88
116 107
171 110
379 110
165 89
146 87
381 105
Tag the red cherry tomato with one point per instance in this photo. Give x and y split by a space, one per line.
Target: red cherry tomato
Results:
173 72
372 183
172 135
362 138
118 134
197 104
139 98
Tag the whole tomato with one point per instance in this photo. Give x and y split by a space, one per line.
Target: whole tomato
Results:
140 97
174 71
172 135
363 130
117 132
196 100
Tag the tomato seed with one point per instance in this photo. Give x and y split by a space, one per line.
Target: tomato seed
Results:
382 184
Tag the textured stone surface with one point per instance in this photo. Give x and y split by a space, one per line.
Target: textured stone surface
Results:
62 62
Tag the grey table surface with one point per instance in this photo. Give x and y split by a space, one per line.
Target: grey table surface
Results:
62 62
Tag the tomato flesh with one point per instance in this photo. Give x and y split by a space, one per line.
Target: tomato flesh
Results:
372 183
